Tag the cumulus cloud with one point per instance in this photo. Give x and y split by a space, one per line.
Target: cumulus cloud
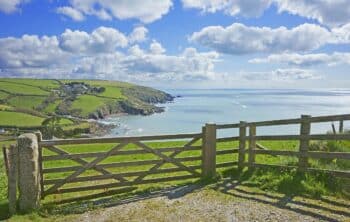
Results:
240 39
328 12
99 54
139 34
296 59
10 6
71 12
102 39
156 48
146 11
247 8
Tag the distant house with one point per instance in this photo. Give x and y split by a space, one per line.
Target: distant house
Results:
2 131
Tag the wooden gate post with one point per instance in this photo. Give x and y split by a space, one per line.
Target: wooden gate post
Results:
29 172
209 151
242 140
252 145
305 128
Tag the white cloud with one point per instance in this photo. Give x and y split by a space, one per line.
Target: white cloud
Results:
30 51
328 12
241 39
139 34
296 59
78 54
101 40
146 11
156 48
10 6
71 12
247 8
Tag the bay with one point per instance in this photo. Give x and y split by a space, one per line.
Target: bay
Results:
195 107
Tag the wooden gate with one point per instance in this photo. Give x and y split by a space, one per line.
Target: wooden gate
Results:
111 164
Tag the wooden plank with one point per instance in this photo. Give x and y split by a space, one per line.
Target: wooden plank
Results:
121 184
330 155
166 158
127 174
227 126
226 164
276 122
242 141
330 118
84 168
118 164
226 151
333 129
175 153
227 139
209 151
341 126
329 137
252 144
305 128
120 152
40 138
276 137
118 139
277 152
83 162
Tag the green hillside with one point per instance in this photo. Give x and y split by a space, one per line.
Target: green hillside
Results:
37 99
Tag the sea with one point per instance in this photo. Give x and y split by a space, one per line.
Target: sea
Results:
194 107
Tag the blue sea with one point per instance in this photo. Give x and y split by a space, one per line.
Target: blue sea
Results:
195 107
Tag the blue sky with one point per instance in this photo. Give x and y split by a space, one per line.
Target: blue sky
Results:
182 43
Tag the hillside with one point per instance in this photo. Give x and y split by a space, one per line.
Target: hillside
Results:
34 100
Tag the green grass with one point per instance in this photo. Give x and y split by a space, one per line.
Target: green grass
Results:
88 104
43 83
112 92
15 88
52 107
288 182
26 102
19 119
3 95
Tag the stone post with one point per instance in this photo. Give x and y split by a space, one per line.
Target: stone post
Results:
29 172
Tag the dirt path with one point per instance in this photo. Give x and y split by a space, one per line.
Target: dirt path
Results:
221 204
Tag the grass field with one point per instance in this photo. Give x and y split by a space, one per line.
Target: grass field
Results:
26 102
16 88
88 104
287 182
19 119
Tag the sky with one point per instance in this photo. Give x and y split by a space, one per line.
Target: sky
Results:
179 43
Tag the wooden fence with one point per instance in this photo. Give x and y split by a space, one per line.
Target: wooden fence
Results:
304 137
201 165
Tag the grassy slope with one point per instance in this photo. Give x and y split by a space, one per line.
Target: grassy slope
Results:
29 94
88 104
19 119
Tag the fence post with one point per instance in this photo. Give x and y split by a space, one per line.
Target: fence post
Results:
29 172
252 145
242 139
209 151
341 126
305 129
12 178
